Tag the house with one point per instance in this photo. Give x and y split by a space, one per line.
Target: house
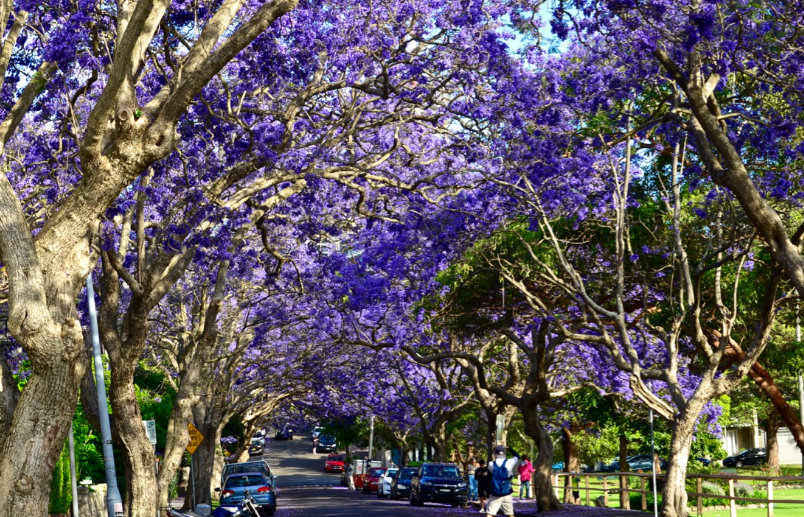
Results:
737 438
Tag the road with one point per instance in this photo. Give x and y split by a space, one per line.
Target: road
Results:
304 489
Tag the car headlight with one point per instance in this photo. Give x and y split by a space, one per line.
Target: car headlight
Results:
401 485
461 485
427 483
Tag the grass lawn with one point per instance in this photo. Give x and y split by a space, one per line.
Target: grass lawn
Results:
779 509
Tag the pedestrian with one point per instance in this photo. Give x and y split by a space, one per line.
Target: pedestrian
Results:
483 479
502 488
350 476
470 476
525 470
315 445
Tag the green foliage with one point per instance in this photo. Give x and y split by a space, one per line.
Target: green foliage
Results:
60 490
708 487
743 490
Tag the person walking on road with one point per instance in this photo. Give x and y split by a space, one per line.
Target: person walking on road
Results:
350 476
470 475
502 488
525 471
315 445
483 479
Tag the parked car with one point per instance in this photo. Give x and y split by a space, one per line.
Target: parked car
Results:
255 449
258 440
372 479
640 462
384 484
334 463
327 444
747 457
260 466
439 483
284 434
400 486
317 430
258 486
559 467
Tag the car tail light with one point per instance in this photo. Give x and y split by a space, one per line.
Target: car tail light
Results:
264 489
227 493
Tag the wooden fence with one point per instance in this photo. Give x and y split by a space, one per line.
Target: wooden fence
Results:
621 486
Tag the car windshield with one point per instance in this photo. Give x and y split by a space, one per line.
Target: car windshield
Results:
374 473
407 474
243 468
390 472
335 458
327 440
244 481
442 471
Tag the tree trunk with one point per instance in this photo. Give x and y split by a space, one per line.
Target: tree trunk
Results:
674 493
624 467
137 452
571 464
204 460
546 500
773 443
39 426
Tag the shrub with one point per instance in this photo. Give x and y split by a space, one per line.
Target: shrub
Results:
61 495
743 490
708 487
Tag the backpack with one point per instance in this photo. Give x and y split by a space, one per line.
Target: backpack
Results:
501 480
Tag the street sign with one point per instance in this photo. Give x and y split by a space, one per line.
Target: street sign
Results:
150 429
500 428
195 438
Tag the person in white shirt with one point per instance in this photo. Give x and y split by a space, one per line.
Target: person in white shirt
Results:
502 474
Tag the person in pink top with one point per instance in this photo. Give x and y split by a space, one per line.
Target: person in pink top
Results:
525 470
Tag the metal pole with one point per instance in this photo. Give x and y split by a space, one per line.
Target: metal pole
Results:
371 437
114 503
800 384
192 479
653 465
73 480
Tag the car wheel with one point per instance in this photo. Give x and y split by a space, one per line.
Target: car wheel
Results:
738 464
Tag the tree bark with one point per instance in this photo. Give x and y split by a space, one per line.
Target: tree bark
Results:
624 467
204 461
674 492
773 443
546 500
571 463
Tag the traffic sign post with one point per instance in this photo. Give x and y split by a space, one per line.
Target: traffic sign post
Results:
195 440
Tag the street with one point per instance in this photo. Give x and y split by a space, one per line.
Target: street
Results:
304 489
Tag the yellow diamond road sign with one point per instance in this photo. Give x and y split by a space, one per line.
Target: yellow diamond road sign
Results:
195 438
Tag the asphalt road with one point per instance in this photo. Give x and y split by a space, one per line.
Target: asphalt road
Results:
304 489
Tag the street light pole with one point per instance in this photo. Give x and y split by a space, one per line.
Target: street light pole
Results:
371 437
800 384
73 480
114 503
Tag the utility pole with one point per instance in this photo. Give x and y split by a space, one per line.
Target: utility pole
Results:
73 481
653 460
800 384
371 438
114 503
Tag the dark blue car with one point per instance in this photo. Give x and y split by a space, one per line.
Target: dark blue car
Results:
439 483
259 487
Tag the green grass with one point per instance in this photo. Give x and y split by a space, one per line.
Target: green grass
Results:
779 509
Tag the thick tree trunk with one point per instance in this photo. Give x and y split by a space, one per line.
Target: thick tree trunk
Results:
546 500
572 463
204 461
39 427
138 453
674 493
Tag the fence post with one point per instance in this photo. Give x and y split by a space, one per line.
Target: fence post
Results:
770 498
732 502
605 492
625 502
698 497
587 489
644 498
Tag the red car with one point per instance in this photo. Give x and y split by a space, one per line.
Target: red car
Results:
334 463
372 479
